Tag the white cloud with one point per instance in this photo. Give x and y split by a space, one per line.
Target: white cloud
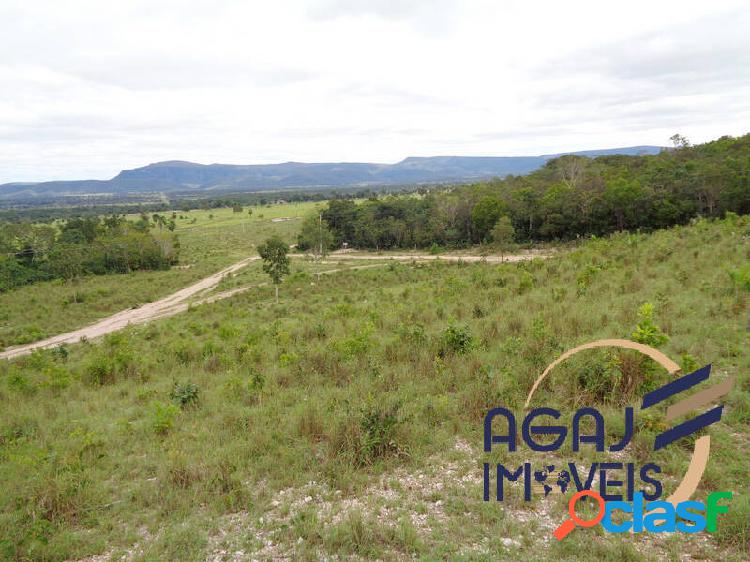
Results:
89 88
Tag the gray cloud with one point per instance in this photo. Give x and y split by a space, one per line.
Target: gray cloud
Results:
695 56
91 88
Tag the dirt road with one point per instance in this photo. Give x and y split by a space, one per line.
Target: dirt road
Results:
429 257
178 302
156 309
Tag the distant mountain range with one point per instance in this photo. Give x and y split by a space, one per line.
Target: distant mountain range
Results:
179 177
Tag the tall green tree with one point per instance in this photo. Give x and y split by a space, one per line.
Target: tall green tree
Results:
484 215
315 236
622 195
275 260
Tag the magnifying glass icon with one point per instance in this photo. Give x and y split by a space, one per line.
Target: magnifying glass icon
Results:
569 524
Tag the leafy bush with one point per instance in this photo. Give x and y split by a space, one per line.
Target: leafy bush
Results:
163 416
688 363
286 359
115 358
601 380
247 389
525 283
99 370
457 339
20 382
358 344
740 277
647 332
184 395
257 380
57 377
379 426
61 352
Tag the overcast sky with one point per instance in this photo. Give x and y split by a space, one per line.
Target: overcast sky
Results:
90 88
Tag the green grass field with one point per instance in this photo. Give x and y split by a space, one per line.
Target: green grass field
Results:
347 420
36 311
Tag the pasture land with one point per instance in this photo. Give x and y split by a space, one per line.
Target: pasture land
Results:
37 311
347 420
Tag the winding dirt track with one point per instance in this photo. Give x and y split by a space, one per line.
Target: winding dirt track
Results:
178 302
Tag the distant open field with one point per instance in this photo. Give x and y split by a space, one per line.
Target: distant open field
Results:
210 240
347 420
207 245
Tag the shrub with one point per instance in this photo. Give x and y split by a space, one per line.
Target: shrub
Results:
247 389
688 363
320 331
286 359
740 278
115 358
363 436
99 370
60 352
228 332
57 377
163 416
184 395
647 332
185 353
525 283
19 382
412 333
358 344
456 339
379 426
210 348
601 380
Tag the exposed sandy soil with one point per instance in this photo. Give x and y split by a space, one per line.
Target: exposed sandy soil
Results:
178 302
118 321
354 255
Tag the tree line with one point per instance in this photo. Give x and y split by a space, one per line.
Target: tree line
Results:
570 196
61 207
81 246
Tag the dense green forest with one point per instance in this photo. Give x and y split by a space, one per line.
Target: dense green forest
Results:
570 196
36 252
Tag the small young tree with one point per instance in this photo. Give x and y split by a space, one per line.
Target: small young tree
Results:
275 261
503 234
